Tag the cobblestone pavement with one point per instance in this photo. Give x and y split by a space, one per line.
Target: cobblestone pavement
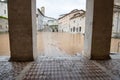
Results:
65 68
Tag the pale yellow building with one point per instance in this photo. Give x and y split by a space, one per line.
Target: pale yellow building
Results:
64 20
77 23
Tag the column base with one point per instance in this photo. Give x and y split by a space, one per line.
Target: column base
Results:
21 60
100 57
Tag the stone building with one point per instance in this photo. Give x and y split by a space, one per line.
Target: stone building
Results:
77 23
64 20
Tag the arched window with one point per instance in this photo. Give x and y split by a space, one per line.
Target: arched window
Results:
73 29
0 26
79 29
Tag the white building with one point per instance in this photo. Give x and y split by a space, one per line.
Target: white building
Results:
44 23
40 20
77 23
51 24
65 20
3 16
3 9
116 22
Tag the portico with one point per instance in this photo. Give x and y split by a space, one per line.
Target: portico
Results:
22 29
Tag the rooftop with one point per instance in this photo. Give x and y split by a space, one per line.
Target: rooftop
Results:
78 15
73 11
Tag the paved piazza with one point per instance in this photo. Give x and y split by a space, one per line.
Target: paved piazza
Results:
51 43
60 58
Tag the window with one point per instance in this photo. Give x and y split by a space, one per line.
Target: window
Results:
79 29
0 26
73 29
74 21
4 11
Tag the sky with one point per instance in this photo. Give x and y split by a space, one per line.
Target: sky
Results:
54 8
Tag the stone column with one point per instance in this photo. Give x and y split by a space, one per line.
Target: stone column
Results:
99 16
22 29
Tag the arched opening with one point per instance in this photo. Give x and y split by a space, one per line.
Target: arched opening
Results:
73 29
76 29
79 29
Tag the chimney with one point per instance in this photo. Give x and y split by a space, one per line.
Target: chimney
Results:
43 10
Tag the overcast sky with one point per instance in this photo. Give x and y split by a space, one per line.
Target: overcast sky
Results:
54 8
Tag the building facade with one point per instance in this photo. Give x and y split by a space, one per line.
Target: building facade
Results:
45 23
116 21
66 21
3 16
77 23
40 19
51 24
3 9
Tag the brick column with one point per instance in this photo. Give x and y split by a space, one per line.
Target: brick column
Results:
22 29
99 16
